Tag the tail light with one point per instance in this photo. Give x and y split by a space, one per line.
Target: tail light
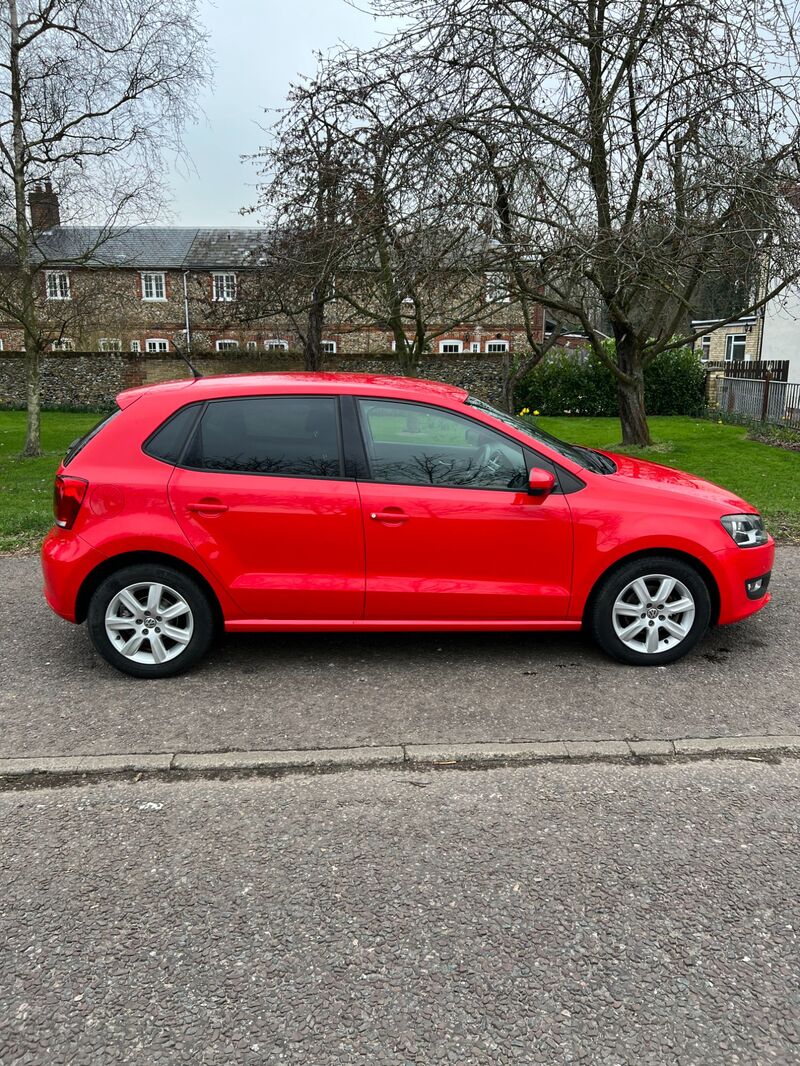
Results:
68 496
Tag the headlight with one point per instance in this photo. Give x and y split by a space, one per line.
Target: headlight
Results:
746 529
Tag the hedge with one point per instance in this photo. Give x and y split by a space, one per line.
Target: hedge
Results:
580 384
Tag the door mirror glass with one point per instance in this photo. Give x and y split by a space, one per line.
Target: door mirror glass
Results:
540 483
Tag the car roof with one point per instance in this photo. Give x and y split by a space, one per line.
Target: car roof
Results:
207 388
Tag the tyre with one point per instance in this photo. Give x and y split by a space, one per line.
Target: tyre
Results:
150 621
650 611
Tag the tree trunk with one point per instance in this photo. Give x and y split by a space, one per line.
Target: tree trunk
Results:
33 377
313 344
631 394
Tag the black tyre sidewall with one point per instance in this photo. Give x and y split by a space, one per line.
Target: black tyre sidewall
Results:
601 622
203 619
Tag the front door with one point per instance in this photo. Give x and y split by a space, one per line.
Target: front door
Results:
260 495
451 533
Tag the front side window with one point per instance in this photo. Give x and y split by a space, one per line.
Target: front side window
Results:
57 283
735 346
157 344
292 436
153 286
413 444
224 288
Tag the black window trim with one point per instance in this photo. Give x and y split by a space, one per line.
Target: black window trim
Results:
527 451
203 406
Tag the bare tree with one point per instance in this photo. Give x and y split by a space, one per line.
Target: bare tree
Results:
93 94
641 145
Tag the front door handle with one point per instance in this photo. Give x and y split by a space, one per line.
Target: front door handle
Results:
389 516
207 507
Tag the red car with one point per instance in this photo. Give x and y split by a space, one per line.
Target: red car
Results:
356 502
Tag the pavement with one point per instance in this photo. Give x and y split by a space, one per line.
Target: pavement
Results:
613 915
333 691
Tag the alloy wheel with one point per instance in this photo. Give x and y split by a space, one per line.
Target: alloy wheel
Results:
149 622
653 613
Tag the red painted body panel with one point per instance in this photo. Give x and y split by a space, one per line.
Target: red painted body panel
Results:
301 553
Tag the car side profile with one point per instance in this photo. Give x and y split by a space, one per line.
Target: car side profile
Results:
280 502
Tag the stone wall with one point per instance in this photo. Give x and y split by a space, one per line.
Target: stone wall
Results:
91 380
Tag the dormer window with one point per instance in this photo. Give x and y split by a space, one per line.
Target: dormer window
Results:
224 288
154 286
57 284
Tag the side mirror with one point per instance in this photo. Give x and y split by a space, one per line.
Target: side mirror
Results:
540 483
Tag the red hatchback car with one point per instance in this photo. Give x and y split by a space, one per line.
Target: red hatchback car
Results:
338 502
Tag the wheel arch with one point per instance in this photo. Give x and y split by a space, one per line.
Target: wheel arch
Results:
132 558
685 557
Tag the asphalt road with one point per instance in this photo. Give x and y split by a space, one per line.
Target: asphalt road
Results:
611 915
302 691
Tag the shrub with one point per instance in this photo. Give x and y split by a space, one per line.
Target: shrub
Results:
578 383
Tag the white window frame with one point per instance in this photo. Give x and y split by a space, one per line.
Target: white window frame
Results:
152 344
732 339
328 347
252 346
109 344
227 344
224 287
154 279
497 346
496 287
705 348
57 285
445 350
136 346
276 344
63 344
475 347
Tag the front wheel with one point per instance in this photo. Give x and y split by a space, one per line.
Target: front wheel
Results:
150 621
650 611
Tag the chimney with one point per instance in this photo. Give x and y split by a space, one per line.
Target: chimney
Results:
43 203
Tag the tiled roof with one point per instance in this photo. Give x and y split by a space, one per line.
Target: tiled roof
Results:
154 247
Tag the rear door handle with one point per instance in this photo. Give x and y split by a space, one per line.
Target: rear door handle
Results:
207 507
389 516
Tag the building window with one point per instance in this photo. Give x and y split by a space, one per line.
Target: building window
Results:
2 345
110 344
328 347
492 347
57 285
450 347
276 346
136 346
157 344
65 344
251 346
735 344
497 288
475 346
705 348
224 288
153 287
227 346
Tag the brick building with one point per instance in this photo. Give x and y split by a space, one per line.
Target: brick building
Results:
163 289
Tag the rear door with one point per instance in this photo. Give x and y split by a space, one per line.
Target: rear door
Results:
451 532
261 495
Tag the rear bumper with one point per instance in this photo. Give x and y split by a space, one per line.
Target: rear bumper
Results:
66 563
735 568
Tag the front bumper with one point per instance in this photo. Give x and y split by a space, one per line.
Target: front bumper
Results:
736 567
67 561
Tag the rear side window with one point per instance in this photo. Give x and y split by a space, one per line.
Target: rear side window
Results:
292 436
168 441
79 444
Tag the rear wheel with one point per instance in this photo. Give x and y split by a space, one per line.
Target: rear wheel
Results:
650 611
150 621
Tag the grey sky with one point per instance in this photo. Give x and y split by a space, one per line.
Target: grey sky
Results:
260 46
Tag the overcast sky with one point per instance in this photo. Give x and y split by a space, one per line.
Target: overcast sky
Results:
259 46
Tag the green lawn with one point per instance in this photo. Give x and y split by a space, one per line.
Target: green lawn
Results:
26 485
767 477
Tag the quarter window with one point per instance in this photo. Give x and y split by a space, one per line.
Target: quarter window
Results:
735 346
57 282
292 436
413 444
224 288
153 286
